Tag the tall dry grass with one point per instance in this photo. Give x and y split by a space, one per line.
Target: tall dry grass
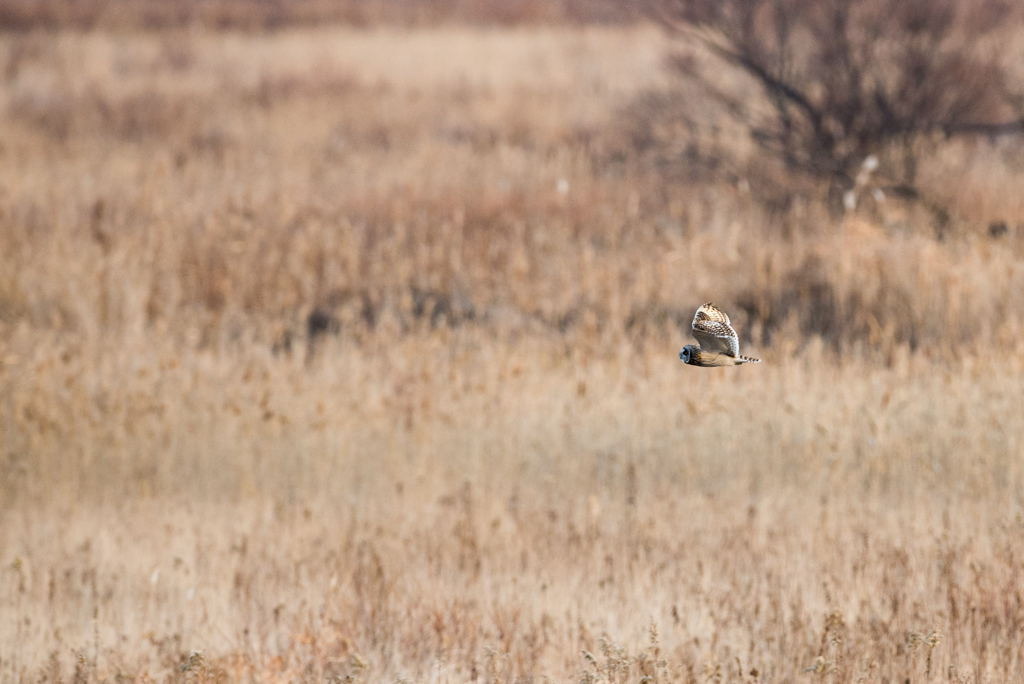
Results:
346 353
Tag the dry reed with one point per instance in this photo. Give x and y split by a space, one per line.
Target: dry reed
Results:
340 354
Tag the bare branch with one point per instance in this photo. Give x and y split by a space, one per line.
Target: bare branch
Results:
847 78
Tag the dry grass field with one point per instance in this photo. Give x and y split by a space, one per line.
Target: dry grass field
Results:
351 355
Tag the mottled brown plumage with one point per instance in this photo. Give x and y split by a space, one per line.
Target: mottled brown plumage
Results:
718 343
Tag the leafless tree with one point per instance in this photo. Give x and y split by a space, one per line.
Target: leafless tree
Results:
840 80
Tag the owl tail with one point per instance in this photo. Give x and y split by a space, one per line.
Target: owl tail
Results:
747 359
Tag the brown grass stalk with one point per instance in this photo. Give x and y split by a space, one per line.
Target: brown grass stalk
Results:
340 354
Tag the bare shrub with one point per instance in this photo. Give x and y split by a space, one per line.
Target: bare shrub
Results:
827 84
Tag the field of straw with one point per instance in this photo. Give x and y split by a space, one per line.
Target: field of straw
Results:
352 355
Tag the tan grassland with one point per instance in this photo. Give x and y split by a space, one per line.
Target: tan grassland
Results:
351 355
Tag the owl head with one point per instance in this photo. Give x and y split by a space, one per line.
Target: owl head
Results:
689 353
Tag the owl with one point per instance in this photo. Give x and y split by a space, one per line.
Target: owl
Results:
719 345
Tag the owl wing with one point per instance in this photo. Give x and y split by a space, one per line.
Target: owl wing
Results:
714 333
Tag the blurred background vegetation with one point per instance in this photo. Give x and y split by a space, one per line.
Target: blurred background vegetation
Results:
794 120
387 297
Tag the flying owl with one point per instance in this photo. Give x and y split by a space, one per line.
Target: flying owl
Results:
719 344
